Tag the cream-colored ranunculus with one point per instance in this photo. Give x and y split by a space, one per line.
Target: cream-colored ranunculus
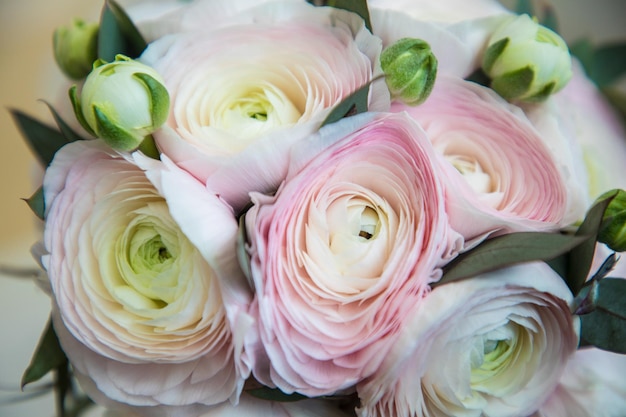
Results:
492 345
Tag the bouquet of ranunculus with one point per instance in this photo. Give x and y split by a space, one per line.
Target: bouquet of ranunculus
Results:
273 207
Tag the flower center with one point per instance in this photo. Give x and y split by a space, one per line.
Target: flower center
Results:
473 172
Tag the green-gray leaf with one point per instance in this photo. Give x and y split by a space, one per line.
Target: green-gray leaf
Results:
604 64
574 266
605 327
354 104
356 6
274 394
36 203
44 140
47 356
66 130
118 34
507 250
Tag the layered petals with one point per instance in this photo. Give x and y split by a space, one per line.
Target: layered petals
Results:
139 309
492 345
344 249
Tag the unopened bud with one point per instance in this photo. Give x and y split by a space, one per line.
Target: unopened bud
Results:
613 230
410 69
526 61
75 48
121 102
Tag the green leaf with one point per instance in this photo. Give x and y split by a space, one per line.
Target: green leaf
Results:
66 130
604 64
118 34
574 266
525 7
36 203
355 6
608 64
47 357
507 250
514 84
274 394
43 139
605 327
618 99
354 104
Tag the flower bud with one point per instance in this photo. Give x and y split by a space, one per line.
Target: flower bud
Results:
76 48
526 61
613 230
410 69
121 102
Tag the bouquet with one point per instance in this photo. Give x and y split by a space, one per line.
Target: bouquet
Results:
281 207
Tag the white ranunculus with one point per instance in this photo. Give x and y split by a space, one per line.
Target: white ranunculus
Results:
492 345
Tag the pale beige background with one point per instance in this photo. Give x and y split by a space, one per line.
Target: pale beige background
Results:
27 73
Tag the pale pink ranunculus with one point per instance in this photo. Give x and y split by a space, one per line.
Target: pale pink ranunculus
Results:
138 308
493 345
593 385
245 89
344 249
502 175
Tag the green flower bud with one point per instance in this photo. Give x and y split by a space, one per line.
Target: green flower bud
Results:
526 61
76 48
122 102
410 69
613 230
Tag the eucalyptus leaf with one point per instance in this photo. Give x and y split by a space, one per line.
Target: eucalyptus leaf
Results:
65 129
507 250
608 64
44 140
356 6
37 204
118 34
525 7
574 266
274 394
354 104
605 326
47 357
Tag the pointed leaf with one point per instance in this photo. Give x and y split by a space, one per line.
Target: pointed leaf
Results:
118 34
525 7
47 356
574 266
65 129
43 139
274 394
608 64
354 104
36 203
356 6
605 327
507 250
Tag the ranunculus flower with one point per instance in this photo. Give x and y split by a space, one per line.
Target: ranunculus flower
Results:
443 11
492 345
244 90
592 385
503 176
344 250
138 308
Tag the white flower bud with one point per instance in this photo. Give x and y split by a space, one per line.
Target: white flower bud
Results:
526 61
75 48
121 102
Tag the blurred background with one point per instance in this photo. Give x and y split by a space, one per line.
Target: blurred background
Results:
27 74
